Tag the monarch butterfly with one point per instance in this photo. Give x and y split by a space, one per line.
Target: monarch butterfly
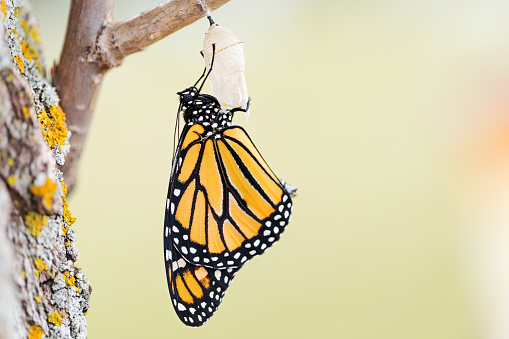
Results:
224 206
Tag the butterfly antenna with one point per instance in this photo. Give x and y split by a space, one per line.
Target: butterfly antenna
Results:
210 69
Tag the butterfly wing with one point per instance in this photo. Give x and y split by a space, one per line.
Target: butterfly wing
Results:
225 205
195 291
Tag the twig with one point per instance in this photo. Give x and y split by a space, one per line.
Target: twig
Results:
94 44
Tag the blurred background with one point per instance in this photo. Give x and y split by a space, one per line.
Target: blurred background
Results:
392 119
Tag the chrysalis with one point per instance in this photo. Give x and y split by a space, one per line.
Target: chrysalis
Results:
227 80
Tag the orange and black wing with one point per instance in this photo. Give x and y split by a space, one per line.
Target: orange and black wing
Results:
195 291
225 205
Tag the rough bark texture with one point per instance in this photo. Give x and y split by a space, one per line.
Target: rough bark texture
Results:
42 292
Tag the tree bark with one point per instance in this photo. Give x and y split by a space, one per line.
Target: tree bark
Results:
42 292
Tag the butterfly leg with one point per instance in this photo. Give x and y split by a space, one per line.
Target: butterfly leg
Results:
210 69
240 109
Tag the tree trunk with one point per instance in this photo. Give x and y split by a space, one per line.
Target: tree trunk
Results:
42 292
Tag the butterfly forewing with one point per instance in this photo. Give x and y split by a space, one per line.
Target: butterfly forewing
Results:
226 205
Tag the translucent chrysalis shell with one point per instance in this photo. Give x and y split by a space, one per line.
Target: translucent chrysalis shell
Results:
227 80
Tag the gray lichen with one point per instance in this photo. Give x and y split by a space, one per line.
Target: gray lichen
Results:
52 294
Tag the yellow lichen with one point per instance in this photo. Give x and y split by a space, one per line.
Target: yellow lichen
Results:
26 112
24 24
53 126
18 11
55 318
11 179
35 222
38 299
23 274
3 8
67 243
10 162
70 280
31 53
67 214
35 332
19 62
45 192
15 32
40 265
30 31
64 231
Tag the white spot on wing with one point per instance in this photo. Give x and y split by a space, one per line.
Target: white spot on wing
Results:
181 262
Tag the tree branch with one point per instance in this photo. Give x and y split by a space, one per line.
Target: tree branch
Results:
139 32
94 44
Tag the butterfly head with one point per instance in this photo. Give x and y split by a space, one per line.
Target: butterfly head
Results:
187 96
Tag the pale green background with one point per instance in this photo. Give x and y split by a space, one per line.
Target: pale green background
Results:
346 105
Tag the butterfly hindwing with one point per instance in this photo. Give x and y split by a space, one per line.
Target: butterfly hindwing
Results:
225 204
195 291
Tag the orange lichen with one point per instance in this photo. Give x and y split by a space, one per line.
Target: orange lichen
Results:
35 332
11 179
67 243
19 62
64 231
55 318
53 126
45 192
14 31
38 299
3 8
35 222
67 214
70 280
